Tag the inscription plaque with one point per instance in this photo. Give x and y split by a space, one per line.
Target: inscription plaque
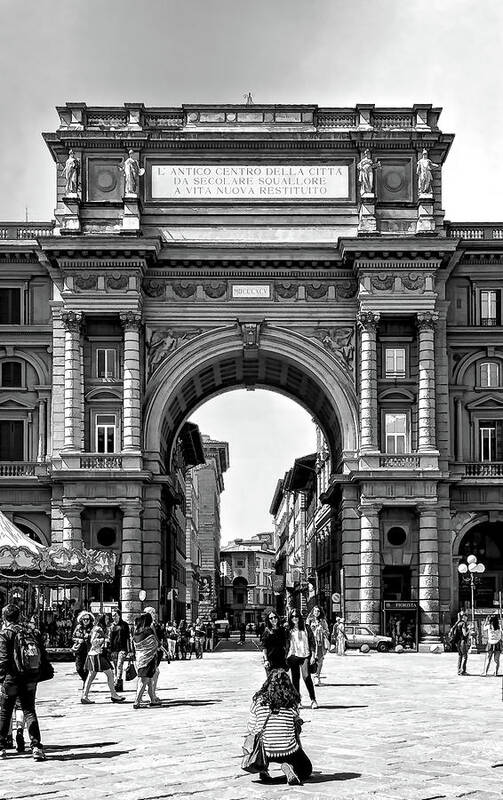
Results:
240 291
221 181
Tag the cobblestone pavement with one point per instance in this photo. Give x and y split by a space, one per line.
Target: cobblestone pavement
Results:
389 726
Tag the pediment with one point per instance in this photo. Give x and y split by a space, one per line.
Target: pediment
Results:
13 401
489 401
394 394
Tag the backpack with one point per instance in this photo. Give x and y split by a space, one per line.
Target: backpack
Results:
27 653
455 635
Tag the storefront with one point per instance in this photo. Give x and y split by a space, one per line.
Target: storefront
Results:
401 622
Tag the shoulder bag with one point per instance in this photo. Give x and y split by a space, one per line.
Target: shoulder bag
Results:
254 758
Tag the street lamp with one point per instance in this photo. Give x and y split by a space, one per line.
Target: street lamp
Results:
468 573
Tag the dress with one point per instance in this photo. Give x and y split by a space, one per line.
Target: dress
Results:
146 646
275 643
96 661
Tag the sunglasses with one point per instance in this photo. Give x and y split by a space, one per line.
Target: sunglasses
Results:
294 615
273 617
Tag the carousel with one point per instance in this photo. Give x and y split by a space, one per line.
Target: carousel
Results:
51 583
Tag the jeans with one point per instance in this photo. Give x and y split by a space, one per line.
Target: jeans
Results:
299 761
298 666
25 693
462 649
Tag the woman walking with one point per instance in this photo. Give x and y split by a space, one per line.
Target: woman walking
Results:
318 624
82 642
300 653
275 712
339 637
493 630
146 645
98 662
274 642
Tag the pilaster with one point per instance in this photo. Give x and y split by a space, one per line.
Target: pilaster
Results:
132 573
368 322
72 526
131 322
370 565
429 601
72 321
426 389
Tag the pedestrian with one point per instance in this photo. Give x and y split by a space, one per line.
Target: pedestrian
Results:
459 636
97 661
318 624
120 646
146 646
274 643
183 639
242 633
493 630
82 642
23 660
171 639
300 655
199 638
159 634
339 637
275 712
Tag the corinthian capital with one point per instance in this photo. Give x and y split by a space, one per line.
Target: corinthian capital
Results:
72 320
130 320
368 321
426 319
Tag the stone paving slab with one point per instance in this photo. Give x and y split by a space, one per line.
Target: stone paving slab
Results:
389 727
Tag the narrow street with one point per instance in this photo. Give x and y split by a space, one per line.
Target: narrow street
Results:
389 726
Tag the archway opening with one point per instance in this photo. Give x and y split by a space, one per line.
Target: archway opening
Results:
485 541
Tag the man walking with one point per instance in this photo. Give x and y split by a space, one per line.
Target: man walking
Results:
119 646
460 636
22 657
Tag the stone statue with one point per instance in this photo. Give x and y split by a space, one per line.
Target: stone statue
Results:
424 174
366 173
71 171
132 172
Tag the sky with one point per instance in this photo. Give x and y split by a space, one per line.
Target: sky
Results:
328 52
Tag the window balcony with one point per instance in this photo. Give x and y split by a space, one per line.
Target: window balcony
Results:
403 461
22 469
370 462
483 469
101 461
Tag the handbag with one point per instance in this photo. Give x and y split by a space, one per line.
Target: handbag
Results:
46 671
130 673
255 758
313 666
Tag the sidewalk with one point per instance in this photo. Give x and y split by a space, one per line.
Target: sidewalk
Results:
389 726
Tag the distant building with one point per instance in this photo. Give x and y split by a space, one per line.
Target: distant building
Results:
247 567
210 486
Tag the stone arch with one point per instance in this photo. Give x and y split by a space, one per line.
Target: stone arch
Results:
286 362
472 358
36 362
462 523
37 532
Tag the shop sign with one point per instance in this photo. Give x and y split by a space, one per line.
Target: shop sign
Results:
400 605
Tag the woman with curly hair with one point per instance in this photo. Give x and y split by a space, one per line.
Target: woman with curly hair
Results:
274 711
97 661
82 642
301 653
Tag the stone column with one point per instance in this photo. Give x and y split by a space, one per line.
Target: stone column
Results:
370 565
350 550
72 526
458 448
426 394
152 548
73 414
429 602
368 322
42 430
131 381
132 573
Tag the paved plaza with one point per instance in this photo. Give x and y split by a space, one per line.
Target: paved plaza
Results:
389 726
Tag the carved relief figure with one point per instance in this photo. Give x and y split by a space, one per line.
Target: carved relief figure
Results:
424 173
366 173
165 342
132 172
339 342
71 171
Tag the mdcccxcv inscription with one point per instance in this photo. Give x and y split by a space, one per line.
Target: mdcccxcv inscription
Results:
184 181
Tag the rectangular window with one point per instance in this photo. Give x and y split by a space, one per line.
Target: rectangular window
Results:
396 433
489 374
11 374
106 363
394 362
240 562
491 440
490 307
105 433
10 306
11 440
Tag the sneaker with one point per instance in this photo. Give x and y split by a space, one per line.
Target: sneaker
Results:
38 754
20 745
314 704
117 699
3 753
291 776
86 702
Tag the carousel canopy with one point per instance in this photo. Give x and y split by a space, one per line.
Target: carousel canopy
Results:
23 558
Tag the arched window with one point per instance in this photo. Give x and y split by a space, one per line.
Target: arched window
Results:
11 374
489 374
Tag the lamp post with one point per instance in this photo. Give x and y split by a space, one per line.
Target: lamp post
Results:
468 572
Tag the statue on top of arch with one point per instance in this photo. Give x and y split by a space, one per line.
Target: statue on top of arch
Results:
164 342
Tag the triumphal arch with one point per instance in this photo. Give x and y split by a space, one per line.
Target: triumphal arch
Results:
296 248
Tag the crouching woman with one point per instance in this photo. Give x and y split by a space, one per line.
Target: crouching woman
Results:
275 712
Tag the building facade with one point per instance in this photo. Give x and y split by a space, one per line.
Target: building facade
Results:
201 249
247 567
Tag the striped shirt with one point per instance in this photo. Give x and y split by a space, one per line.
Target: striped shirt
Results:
279 735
